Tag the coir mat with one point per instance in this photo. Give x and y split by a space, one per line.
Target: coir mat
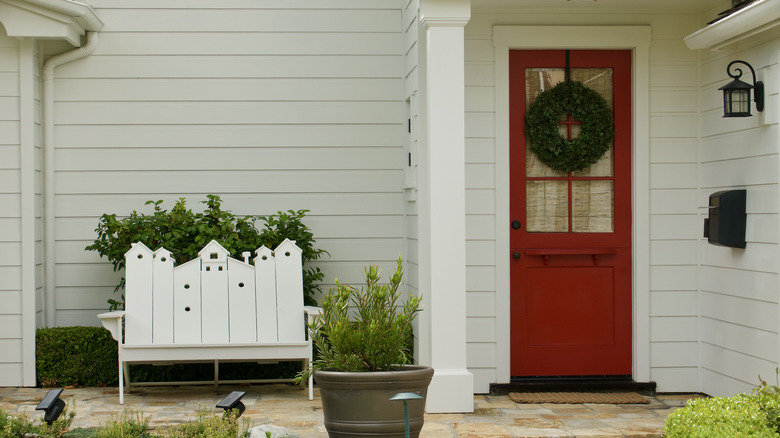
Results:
578 397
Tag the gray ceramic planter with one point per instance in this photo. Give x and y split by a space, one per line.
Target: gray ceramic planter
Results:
357 404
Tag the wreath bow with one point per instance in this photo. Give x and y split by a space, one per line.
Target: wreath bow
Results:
585 105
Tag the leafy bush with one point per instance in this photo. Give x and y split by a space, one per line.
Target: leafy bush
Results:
75 356
727 417
183 372
768 397
184 233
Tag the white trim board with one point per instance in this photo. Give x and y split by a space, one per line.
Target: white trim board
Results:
637 39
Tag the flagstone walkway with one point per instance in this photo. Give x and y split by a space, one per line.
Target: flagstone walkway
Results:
287 406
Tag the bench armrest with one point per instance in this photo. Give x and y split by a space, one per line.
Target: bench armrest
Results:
312 311
112 321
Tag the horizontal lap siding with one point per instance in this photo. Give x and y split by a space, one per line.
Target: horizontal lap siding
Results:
274 107
739 287
675 224
10 215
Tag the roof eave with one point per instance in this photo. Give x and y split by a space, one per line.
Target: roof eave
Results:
753 19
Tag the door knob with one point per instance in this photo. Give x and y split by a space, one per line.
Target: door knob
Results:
516 255
516 225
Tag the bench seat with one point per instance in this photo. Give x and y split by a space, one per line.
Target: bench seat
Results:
212 309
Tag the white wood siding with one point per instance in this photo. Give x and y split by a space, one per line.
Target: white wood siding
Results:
11 332
675 228
276 106
739 288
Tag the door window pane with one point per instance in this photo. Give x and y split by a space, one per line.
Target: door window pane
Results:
536 81
547 206
600 80
593 208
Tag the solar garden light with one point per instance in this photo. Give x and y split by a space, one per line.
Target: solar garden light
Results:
405 397
53 406
233 401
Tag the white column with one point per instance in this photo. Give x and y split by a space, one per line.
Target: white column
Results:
443 206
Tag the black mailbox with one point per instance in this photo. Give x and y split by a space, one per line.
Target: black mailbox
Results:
726 223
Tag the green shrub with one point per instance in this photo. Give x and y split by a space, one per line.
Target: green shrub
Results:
182 372
768 397
184 233
76 356
720 417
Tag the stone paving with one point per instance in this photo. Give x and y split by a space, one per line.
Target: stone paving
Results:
289 407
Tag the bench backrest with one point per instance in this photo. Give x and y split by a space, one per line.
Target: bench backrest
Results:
214 299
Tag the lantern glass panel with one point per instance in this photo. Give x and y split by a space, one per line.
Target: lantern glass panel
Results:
736 102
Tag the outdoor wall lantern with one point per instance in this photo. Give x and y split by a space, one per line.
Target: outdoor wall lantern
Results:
52 405
233 401
736 94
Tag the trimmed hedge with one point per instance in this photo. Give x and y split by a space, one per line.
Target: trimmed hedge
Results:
87 356
76 356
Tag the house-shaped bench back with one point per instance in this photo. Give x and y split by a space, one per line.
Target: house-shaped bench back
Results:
214 299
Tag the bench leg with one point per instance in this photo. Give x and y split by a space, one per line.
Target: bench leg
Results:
121 383
216 375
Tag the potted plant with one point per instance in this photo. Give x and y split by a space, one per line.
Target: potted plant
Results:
363 337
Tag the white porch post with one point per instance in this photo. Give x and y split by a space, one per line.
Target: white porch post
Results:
443 205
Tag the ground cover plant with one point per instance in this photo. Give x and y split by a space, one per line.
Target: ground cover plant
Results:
744 415
129 424
23 426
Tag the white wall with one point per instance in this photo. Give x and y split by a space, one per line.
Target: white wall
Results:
273 106
674 228
411 48
10 215
739 287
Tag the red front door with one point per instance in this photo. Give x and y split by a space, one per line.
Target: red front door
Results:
570 232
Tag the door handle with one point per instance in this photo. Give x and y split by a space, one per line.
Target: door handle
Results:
516 225
516 255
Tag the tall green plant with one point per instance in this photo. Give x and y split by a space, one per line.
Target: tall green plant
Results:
184 233
365 329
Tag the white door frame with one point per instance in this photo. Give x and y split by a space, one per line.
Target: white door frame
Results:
636 39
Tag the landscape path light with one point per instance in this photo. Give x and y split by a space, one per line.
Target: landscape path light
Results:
405 397
233 401
52 405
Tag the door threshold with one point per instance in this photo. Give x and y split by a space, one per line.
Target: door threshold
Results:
572 384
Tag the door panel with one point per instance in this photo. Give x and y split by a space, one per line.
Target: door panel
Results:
571 268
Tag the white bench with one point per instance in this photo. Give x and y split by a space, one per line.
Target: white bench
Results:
213 308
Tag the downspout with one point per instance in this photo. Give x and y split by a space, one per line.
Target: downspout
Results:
48 170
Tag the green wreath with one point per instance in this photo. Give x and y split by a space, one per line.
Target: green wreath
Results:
585 105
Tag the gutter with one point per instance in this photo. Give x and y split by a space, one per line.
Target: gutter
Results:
753 19
81 12
47 103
